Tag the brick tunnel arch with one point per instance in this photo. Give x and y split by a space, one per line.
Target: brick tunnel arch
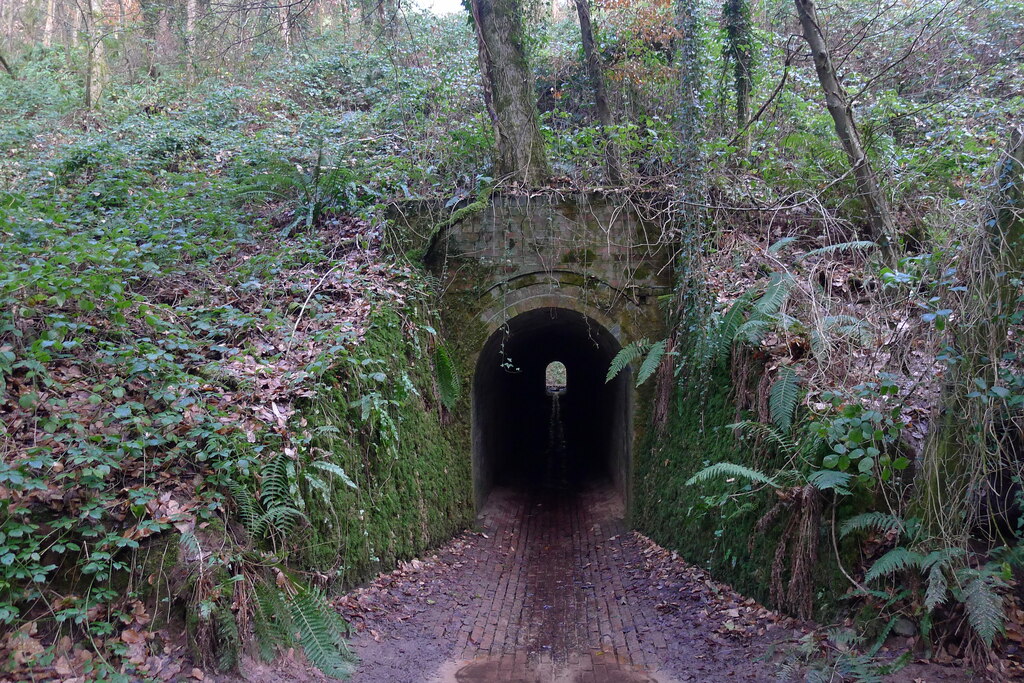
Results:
514 440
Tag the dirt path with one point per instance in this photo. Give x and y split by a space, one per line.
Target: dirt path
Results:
554 588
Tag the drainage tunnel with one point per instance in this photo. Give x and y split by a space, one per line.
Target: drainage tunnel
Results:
534 432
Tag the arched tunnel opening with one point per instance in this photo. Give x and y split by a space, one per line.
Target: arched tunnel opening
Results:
541 427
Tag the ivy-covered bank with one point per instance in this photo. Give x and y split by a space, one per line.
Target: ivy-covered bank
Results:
379 475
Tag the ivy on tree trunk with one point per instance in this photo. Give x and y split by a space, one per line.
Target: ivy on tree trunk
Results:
508 91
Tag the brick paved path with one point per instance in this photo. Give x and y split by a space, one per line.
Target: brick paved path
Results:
552 594
552 588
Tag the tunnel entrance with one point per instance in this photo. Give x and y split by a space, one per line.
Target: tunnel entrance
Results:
543 416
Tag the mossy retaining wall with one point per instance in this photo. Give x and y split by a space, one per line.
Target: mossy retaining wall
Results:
706 524
413 476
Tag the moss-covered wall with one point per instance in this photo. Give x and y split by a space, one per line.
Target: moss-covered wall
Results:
707 524
408 456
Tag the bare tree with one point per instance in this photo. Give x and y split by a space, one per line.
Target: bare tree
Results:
880 221
596 74
508 91
51 19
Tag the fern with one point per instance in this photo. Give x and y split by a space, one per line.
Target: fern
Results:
228 637
274 485
768 433
880 521
897 559
271 621
652 361
862 245
780 245
783 397
280 518
319 633
728 469
245 503
775 294
984 606
732 321
753 331
824 480
937 589
846 326
942 557
320 485
448 385
625 356
337 471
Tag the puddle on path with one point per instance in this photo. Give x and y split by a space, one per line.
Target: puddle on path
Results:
520 668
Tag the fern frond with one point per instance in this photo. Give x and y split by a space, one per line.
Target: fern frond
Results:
783 397
625 356
448 385
942 557
937 589
895 560
319 635
337 471
850 327
728 469
245 504
775 294
652 361
823 480
229 640
731 321
984 606
754 330
272 621
274 484
320 485
780 245
860 245
280 518
879 521
844 637
768 433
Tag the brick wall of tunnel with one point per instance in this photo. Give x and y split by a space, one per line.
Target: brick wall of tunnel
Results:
559 276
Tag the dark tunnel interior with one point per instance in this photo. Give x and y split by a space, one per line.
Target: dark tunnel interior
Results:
528 435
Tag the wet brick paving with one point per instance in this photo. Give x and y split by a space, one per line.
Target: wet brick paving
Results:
551 588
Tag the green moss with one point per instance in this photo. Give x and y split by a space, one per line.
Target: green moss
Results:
641 273
691 519
412 494
524 281
579 255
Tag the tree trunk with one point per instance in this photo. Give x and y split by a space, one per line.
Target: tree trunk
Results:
740 48
96 59
191 18
76 25
6 66
284 13
51 10
880 222
596 74
508 84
